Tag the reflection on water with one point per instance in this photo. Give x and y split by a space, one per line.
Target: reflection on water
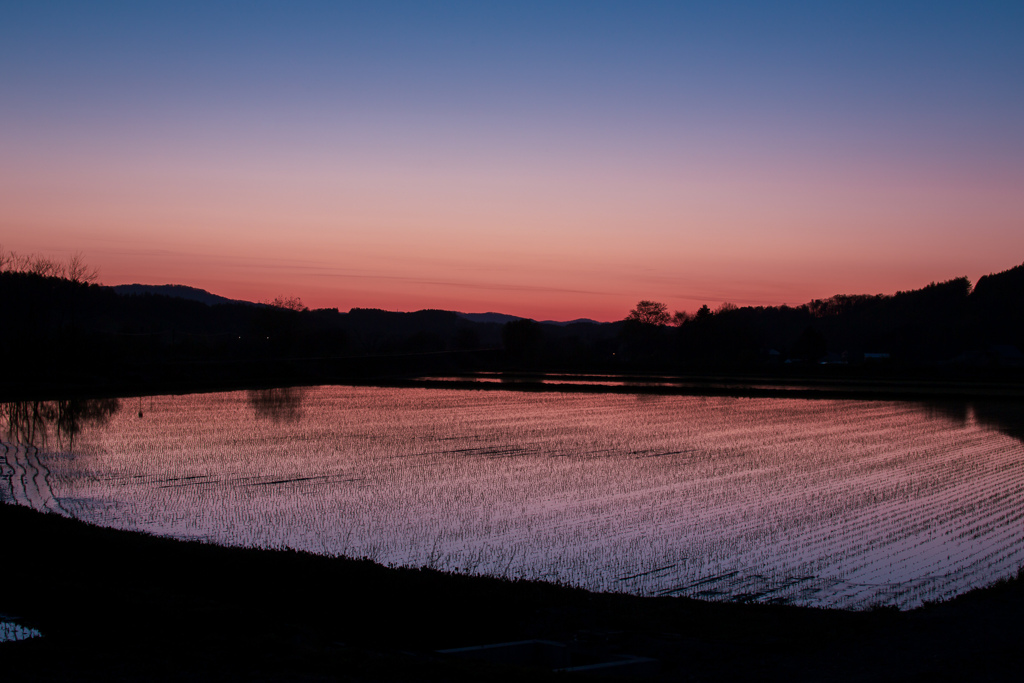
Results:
11 631
1006 417
279 405
827 503
28 427
35 422
637 383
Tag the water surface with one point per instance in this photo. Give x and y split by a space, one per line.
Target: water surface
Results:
829 503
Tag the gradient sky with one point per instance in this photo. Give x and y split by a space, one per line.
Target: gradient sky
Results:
551 160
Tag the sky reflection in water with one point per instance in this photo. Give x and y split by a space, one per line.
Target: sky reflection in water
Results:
828 503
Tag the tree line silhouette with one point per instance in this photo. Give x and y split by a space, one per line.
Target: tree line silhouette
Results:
62 329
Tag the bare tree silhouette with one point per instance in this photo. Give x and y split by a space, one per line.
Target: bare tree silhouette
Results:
292 303
78 271
650 313
681 318
74 269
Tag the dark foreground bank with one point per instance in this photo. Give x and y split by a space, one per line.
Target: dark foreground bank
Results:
125 606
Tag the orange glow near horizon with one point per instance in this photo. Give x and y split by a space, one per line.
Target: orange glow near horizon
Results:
542 288
360 160
562 246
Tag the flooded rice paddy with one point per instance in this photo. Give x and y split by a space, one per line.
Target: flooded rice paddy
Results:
846 504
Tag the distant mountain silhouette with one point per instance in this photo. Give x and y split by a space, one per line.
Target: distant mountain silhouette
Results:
65 332
500 318
503 318
210 299
565 323
178 292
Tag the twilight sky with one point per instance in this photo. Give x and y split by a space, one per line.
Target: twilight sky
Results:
550 159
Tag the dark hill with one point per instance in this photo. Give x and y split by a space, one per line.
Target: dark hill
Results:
65 333
1006 288
491 317
177 292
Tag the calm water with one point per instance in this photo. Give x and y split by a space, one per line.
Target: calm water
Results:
829 503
